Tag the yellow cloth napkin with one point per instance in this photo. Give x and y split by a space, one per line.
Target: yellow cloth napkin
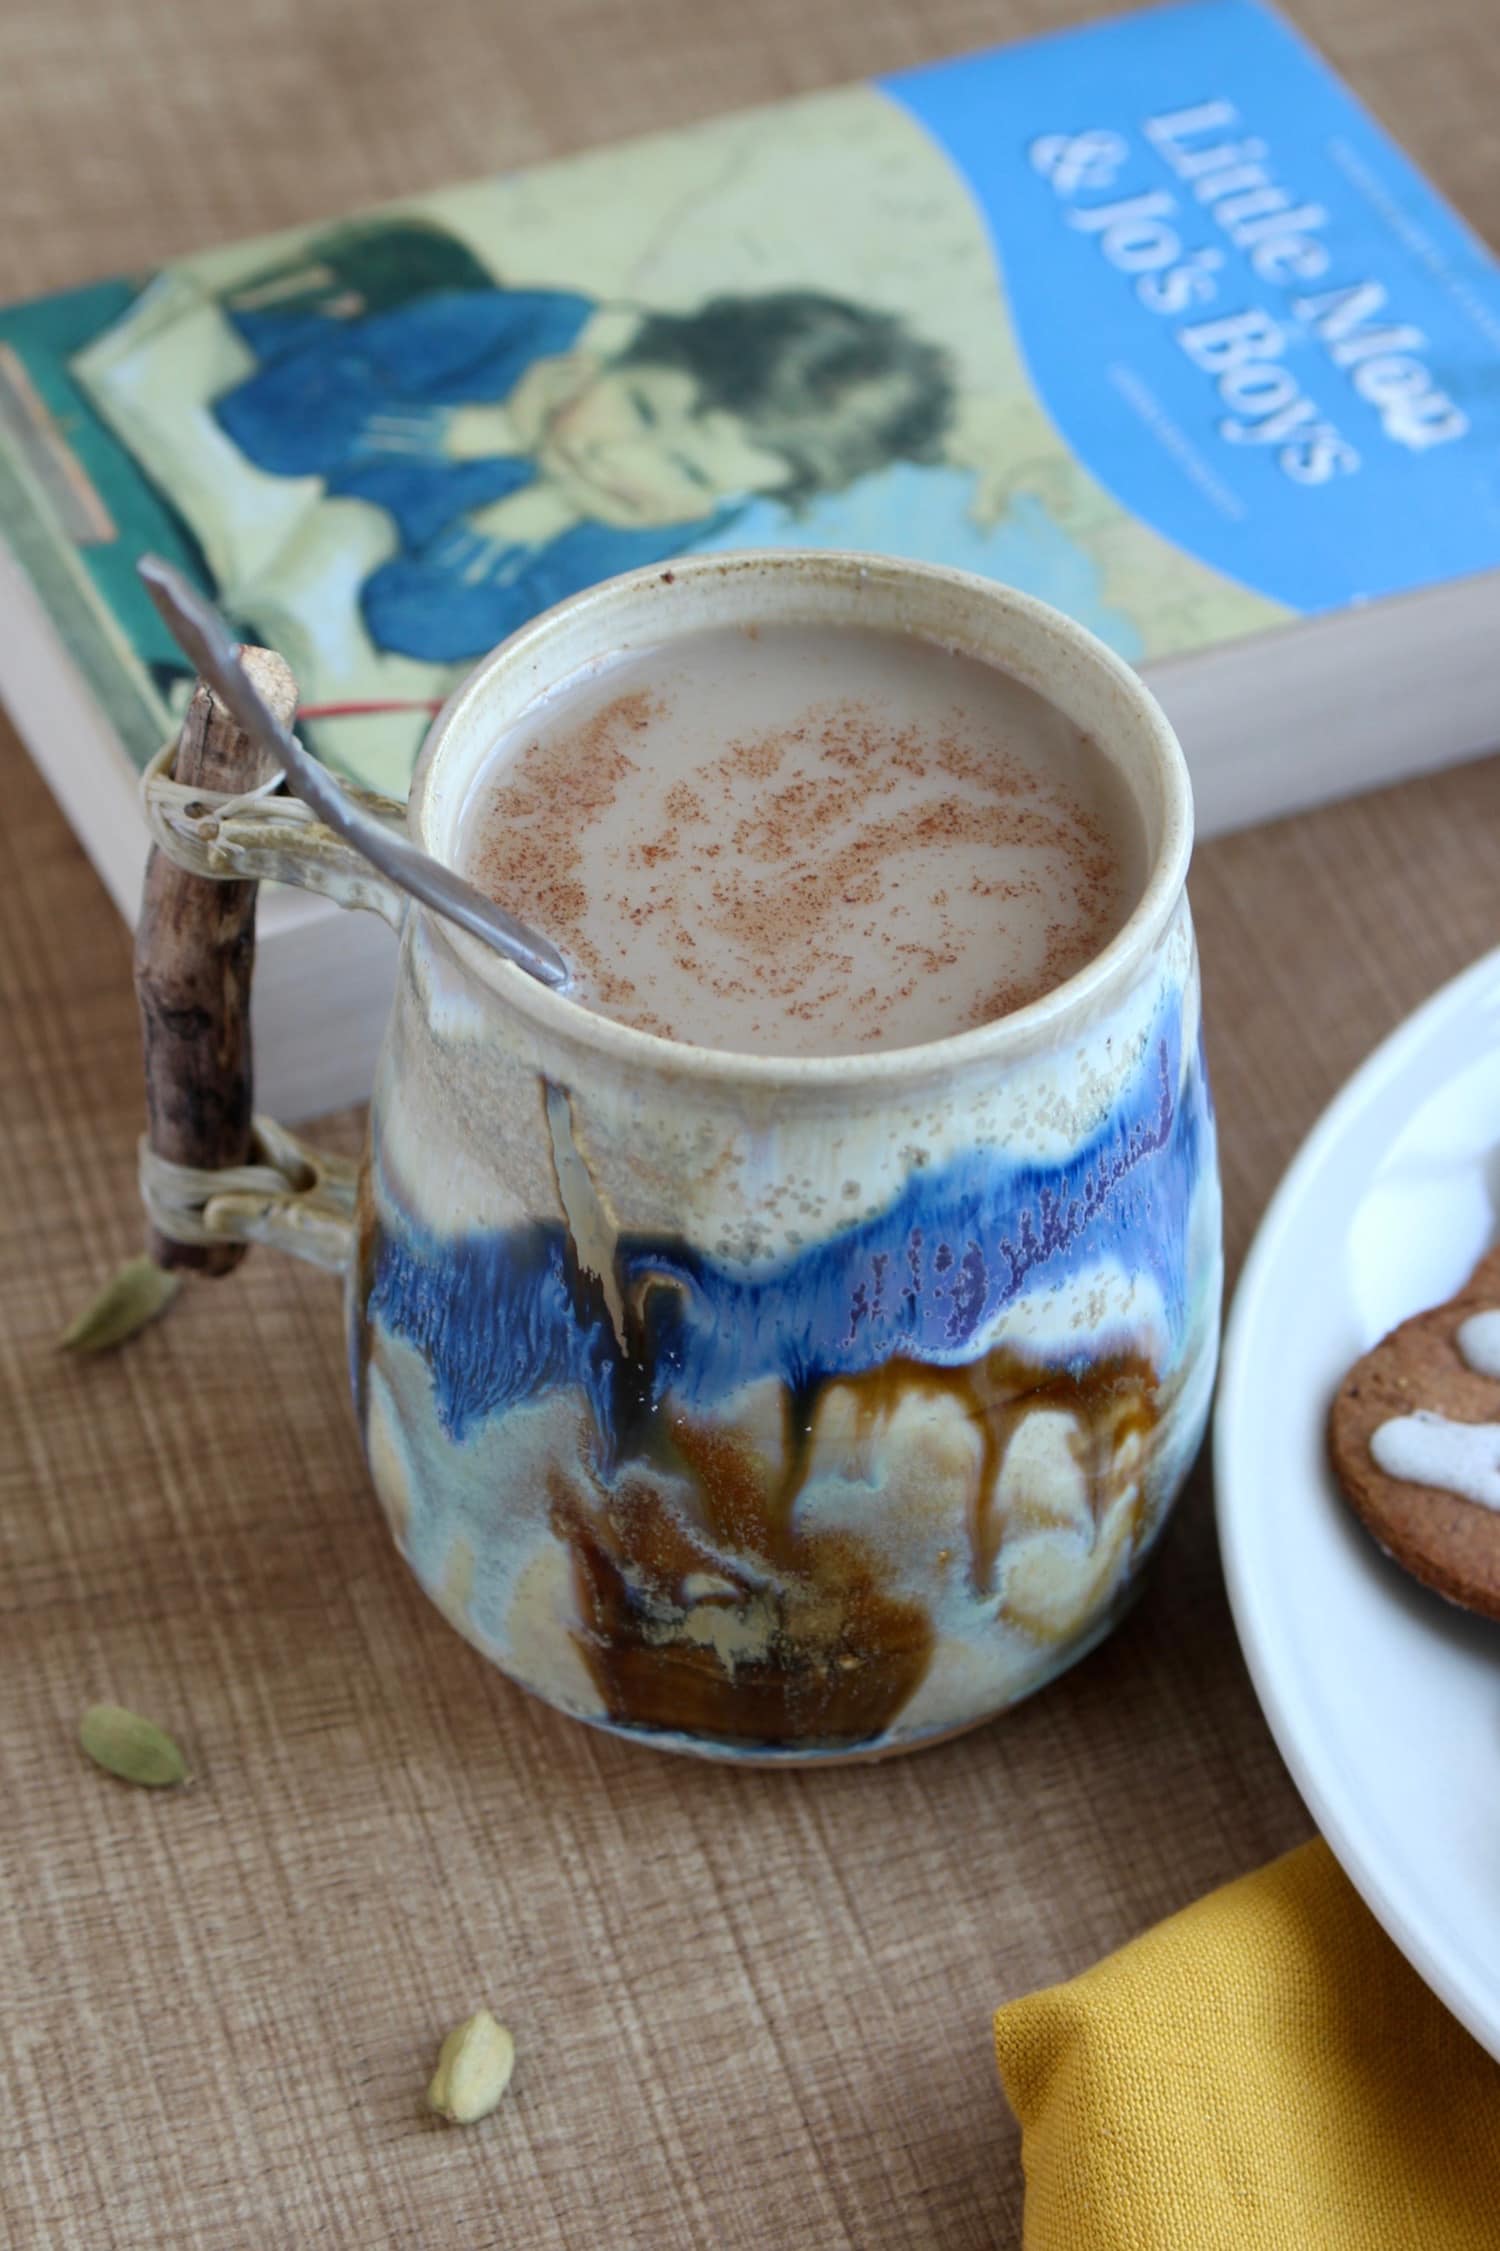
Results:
1263 2072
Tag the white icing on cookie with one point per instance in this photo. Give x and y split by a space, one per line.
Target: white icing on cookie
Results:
1428 1449
1478 1341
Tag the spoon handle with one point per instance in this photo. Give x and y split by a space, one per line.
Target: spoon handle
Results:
204 638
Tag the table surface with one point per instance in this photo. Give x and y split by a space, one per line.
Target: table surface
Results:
750 2009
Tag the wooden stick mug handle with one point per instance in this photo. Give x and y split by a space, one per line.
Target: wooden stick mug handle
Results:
194 956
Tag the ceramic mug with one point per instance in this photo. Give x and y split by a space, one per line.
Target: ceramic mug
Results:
761 1407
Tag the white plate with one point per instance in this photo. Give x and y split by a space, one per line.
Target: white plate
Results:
1384 1700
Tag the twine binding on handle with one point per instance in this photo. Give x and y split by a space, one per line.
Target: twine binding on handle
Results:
292 1197
259 835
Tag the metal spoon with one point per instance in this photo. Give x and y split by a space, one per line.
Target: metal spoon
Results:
199 631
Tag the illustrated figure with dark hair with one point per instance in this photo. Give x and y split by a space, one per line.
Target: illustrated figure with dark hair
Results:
524 443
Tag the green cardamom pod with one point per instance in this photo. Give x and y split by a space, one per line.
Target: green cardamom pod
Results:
129 1299
473 2070
136 1750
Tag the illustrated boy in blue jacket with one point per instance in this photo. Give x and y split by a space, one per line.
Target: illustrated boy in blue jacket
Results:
525 443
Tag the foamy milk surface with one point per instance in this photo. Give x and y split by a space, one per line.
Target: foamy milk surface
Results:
805 840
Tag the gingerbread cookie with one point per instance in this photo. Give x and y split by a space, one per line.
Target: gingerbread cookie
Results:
1414 1434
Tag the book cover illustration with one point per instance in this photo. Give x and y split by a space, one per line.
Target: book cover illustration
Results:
1148 319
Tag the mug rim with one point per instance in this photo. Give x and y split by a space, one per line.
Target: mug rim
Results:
1101 977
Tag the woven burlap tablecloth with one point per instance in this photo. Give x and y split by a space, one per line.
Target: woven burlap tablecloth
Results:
751 2009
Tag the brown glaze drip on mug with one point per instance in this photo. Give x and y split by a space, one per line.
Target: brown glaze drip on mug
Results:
826 1654
744 1626
1113 1403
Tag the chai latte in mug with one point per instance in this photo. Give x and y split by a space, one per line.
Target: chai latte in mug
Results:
805 839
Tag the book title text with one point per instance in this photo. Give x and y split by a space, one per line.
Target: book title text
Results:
1245 349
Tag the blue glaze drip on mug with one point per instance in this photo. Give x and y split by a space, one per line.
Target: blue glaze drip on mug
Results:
507 1316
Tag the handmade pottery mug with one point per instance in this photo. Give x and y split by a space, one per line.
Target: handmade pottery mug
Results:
767 1408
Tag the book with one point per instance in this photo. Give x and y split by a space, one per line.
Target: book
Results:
1149 318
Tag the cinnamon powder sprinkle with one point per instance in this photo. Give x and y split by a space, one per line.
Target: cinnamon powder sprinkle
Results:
812 880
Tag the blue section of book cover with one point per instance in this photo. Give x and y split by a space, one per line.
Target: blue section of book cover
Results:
1244 309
